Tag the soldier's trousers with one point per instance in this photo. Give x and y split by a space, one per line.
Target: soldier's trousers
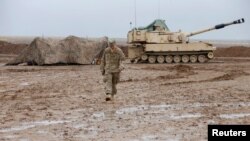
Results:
111 80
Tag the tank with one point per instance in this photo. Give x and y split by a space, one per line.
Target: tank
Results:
157 44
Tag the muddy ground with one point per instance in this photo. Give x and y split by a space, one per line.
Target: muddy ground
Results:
154 101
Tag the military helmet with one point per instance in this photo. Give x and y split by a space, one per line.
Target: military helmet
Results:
112 41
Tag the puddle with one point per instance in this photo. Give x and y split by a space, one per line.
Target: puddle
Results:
22 127
186 116
24 139
92 131
42 132
164 107
25 126
98 115
178 117
130 110
233 116
10 137
78 125
211 122
24 84
149 137
154 108
2 91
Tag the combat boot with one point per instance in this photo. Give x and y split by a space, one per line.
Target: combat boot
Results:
108 97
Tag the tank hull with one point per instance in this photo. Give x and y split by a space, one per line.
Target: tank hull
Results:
142 52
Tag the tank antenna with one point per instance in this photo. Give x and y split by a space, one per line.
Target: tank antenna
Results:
159 8
135 13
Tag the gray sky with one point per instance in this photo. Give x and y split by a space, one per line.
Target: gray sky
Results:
96 18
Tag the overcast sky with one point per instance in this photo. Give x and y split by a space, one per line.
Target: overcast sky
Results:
96 18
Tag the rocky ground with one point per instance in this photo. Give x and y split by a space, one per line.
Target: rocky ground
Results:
154 101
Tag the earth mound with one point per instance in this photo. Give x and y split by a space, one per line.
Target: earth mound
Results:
234 51
9 48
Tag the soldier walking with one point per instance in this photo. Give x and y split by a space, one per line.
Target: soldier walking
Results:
111 66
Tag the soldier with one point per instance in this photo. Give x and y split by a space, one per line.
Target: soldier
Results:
111 66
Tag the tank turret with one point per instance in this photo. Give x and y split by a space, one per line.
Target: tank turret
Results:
156 43
158 32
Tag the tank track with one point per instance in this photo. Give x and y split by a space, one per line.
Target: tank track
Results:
174 58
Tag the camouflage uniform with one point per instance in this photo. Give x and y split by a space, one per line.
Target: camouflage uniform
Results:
111 66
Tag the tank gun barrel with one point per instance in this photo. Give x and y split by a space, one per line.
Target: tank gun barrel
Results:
219 26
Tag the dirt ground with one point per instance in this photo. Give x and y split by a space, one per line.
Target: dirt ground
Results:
154 102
